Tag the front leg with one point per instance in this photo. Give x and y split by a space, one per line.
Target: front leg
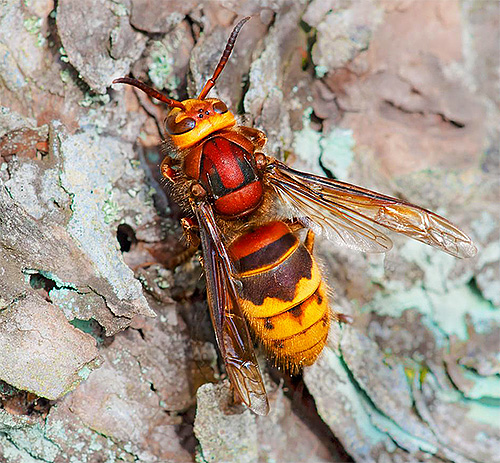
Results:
167 169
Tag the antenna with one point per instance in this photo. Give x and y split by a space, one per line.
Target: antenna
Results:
150 91
223 60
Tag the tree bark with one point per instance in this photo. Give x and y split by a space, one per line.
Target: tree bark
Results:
106 354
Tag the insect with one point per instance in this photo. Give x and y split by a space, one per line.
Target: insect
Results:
250 212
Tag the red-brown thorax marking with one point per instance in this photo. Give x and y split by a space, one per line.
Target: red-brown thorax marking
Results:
227 171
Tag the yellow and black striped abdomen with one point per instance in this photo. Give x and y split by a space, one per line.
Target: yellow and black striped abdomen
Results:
283 296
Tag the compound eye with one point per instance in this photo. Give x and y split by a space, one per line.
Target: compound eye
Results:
178 128
220 107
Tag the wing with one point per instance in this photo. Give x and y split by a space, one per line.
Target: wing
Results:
347 213
231 330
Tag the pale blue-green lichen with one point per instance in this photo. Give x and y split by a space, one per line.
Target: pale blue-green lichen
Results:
161 69
119 9
490 254
337 151
483 386
89 178
333 150
353 402
445 300
483 413
64 56
449 304
84 372
484 225
90 98
451 307
306 144
65 76
31 442
33 25
11 453
320 71
110 208
29 273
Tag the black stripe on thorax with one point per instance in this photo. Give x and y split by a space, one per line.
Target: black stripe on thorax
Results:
214 180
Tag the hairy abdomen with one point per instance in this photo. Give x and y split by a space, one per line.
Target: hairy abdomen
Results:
283 295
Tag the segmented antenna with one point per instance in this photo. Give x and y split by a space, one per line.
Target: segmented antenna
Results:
223 60
150 91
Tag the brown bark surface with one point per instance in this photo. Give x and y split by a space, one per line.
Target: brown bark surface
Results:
107 355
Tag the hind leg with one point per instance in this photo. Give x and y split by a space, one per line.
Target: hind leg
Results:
190 229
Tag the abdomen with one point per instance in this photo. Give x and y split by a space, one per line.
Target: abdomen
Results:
283 295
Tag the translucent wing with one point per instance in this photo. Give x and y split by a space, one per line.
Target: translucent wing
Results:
347 213
229 323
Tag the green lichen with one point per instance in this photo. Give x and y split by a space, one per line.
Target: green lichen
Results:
65 76
64 55
119 9
87 326
33 25
161 69
84 372
31 274
358 407
483 414
337 151
90 98
483 386
320 71
334 150
110 208
414 371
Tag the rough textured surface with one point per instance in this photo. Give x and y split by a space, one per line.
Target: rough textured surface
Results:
40 351
103 47
399 96
158 16
228 433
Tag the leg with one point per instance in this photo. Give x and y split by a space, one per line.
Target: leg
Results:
309 241
190 229
294 224
182 257
166 169
343 318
